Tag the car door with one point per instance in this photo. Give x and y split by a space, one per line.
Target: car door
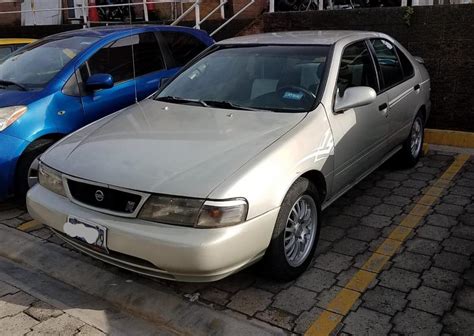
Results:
115 59
398 81
359 133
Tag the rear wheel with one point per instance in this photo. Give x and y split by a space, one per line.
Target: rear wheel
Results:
413 145
27 167
296 232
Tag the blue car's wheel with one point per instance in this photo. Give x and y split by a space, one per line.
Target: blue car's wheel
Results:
27 167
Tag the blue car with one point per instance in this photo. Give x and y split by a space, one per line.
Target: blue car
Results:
63 82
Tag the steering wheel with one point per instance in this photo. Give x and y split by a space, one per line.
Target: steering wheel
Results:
308 93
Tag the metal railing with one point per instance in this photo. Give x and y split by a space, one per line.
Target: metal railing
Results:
85 6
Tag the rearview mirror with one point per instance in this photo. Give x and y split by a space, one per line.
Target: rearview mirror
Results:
354 97
99 81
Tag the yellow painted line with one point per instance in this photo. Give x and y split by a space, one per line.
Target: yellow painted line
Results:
361 280
30 226
376 262
342 303
449 138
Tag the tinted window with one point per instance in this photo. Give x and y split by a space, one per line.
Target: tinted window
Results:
388 62
277 78
114 59
147 55
357 68
36 64
184 47
4 51
408 70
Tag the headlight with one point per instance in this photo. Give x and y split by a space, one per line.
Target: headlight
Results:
51 179
8 115
194 212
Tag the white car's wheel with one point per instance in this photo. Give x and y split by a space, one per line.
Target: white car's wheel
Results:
296 232
413 145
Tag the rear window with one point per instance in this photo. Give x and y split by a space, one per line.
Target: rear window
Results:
184 47
407 67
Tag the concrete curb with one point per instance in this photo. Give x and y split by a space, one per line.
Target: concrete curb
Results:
156 305
87 308
449 138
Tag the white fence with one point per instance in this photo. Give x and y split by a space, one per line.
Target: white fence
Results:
32 14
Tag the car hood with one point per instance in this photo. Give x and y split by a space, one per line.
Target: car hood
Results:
14 97
168 148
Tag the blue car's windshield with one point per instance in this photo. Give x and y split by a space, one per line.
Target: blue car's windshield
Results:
267 77
35 65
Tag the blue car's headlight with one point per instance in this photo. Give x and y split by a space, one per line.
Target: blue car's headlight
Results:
8 115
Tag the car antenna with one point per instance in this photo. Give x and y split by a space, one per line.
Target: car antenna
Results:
133 51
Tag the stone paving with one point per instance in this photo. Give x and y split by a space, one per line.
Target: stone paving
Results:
23 314
427 288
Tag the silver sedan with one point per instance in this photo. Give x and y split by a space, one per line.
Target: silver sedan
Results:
232 161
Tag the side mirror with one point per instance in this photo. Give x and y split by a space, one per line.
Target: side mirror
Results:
99 81
354 97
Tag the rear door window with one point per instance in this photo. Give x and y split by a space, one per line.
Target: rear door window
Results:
388 62
183 46
407 67
147 55
356 68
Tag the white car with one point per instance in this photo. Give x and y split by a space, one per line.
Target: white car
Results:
233 160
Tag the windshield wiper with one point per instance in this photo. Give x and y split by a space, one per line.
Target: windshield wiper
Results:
8 83
179 100
229 105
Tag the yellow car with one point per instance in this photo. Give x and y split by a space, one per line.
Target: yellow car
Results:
9 45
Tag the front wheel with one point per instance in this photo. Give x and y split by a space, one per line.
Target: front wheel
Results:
27 167
296 232
413 145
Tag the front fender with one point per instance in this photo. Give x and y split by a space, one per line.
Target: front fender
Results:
265 180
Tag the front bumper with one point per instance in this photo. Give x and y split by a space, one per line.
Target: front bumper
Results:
165 251
10 150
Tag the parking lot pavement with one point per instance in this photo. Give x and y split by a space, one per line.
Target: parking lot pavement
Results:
395 257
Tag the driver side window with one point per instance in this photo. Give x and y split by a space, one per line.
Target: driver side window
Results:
114 59
356 68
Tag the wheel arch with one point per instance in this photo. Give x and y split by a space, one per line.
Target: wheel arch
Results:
318 179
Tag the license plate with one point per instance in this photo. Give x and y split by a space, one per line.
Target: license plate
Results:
91 233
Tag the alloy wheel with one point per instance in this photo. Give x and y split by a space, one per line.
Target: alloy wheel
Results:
416 137
300 230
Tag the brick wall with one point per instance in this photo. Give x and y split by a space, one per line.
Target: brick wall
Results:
442 35
7 6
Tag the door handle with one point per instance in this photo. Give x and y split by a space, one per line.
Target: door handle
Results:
384 109
417 88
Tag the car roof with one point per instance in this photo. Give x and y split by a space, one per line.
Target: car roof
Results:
104 31
318 37
5 41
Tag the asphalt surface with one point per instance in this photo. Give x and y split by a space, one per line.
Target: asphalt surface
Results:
421 283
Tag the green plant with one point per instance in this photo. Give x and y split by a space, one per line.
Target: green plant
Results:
408 14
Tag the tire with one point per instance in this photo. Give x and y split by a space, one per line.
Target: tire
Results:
413 146
277 261
25 167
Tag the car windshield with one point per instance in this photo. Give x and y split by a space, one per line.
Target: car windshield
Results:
33 66
266 77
